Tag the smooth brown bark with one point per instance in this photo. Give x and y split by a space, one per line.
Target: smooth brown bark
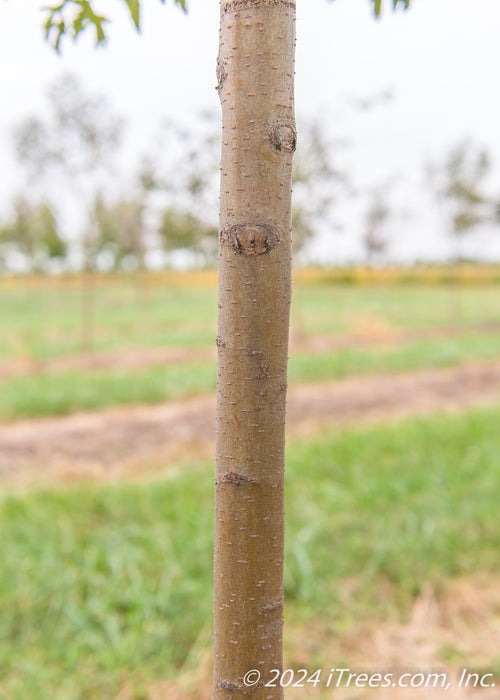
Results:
256 74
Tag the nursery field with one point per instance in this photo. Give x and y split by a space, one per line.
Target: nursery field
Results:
156 342
106 478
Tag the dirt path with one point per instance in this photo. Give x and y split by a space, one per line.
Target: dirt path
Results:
140 441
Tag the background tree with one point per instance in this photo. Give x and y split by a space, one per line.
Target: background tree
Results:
181 186
4 248
318 180
375 239
181 230
460 185
117 233
79 136
32 235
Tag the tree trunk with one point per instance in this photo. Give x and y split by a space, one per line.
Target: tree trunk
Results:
87 327
255 72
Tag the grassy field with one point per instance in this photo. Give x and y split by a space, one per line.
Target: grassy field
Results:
103 586
41 320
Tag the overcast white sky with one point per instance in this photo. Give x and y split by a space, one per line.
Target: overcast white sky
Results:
440 59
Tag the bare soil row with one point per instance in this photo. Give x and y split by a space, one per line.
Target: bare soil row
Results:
141 441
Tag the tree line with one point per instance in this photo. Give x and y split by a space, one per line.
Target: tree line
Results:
168 211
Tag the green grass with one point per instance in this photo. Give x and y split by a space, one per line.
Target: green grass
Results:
408 356
101 585
329 309
98 583
66 392
42 318
406 503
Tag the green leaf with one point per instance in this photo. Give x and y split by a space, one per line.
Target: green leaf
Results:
84 17
100 34
377 5
134 8
60 32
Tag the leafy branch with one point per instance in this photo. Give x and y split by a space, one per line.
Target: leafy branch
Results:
71 17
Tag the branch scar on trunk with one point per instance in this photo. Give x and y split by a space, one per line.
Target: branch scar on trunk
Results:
233 477
221 73
250 239
283 137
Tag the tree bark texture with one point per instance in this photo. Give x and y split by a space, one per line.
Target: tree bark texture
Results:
255 71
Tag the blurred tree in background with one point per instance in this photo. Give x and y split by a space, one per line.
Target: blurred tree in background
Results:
72 147
181 187
375 238
116 234
79 134
181 230
318 180
460 184
32 235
